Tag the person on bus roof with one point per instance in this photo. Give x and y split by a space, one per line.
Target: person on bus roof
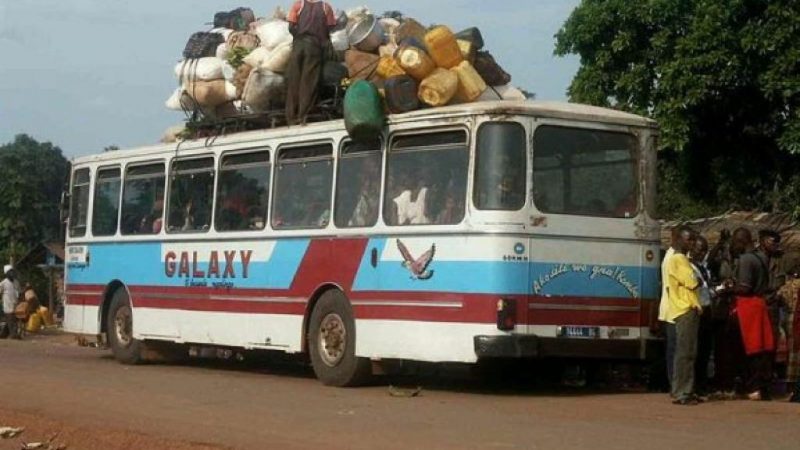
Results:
310 22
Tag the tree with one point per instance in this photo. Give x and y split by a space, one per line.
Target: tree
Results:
722 78
32 177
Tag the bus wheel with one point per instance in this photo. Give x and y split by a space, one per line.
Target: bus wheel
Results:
331 342
126 349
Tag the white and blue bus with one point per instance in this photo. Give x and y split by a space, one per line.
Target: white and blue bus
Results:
486 230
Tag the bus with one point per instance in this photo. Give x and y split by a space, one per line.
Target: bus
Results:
507 229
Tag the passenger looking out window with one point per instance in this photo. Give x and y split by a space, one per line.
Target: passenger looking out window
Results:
143 199
303 184
243 192
191 192
358 184
427 179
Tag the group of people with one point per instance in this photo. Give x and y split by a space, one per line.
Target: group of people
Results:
17 304
734 302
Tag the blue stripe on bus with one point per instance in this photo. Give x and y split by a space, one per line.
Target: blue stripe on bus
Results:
141 264
509 277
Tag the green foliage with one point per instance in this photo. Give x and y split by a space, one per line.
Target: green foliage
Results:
32 176
237 55
722 78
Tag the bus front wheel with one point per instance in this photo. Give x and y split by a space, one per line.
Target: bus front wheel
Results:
331 343
126 349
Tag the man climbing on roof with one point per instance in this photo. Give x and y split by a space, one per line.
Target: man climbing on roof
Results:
310 22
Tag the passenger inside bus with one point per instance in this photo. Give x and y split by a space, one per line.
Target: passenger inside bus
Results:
410 206
453 210
152 222
366 209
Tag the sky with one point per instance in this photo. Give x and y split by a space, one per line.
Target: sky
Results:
86 74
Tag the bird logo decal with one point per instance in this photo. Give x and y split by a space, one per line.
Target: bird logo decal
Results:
419 266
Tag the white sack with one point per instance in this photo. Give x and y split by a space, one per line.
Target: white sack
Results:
228 72
222 51
278 59
174 101
274 33
170 136
230 90
202 69
262 89
256 57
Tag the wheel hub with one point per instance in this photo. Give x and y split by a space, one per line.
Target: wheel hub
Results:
123 326
332 339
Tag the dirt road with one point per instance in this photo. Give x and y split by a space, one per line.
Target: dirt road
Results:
50 385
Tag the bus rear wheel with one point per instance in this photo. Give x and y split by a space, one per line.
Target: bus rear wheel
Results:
125 348
332 343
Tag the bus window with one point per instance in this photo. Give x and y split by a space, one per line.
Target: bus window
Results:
143 199
585 172
500 167
191 193
358 185
79 210
303 187
427 179
105 209
243 192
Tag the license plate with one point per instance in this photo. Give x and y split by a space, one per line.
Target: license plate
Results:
579 332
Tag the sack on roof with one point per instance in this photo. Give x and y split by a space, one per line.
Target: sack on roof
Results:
490 71
264 90
241 39
274 33
237 19
202 44
203 69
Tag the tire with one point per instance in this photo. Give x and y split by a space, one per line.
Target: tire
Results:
126 349
332 343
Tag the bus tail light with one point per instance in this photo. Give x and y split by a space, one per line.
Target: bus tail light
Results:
506 314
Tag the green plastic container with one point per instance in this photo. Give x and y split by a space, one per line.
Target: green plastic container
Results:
363 111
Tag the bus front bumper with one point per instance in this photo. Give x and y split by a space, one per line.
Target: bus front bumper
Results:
532 346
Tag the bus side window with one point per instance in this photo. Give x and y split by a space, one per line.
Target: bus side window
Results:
585 172
105 208
303 185
191 195
427 179
79 210
243 192
143 199
500 167
358 185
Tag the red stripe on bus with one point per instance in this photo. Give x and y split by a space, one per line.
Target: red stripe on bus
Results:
417 306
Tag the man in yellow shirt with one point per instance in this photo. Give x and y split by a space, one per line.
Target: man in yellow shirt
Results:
684 310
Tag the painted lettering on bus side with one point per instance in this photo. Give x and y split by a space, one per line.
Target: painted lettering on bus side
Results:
186 265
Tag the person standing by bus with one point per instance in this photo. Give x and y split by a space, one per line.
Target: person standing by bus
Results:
684 310
310 22
705 336
9 292
663 309
752 290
